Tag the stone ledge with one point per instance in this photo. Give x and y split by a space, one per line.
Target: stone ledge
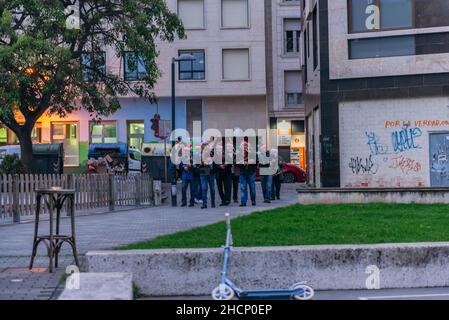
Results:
370 195
100 286
178 272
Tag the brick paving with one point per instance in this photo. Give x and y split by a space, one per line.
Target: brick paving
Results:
103 231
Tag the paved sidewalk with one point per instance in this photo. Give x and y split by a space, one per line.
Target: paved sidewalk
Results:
105 231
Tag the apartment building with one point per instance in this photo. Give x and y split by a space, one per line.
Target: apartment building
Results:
376 93
224 88
284 78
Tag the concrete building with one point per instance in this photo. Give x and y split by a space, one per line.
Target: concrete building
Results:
224 88
376 93
284 78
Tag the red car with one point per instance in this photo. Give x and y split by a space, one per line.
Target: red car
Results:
291 173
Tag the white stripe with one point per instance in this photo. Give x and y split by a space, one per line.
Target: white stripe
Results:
406 296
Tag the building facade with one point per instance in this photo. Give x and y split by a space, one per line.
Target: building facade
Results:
377 93
224 88
284 78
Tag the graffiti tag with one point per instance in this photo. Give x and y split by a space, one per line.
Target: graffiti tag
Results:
406 165
405 139
375 146
363 166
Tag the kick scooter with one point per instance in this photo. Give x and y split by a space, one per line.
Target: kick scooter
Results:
227 290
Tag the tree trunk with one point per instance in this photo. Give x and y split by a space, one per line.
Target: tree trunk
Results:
26 150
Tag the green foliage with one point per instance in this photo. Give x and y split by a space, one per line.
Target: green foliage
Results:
319 225
11 164
40 55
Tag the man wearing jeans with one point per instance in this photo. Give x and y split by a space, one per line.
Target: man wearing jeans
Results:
188 179
248 178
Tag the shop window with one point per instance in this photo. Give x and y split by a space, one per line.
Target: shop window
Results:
103 132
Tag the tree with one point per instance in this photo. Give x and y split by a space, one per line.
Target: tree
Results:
49 59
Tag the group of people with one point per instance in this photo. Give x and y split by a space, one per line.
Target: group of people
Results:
203 179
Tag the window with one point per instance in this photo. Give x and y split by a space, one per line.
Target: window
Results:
382 47
136 134
315 38
67 134
94 65
134 67
36 134
292 31
236 64
375 15
234 14
293 91
420 44
103 132
3 135
191 12
193 70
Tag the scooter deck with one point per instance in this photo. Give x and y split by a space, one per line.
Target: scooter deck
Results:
268 294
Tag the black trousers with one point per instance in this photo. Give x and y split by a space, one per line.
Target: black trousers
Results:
235 187
276 187
224 186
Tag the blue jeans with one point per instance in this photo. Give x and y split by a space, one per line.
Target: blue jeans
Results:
246 180
185 184
208 181
267 182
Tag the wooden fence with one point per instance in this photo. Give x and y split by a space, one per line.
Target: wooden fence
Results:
18 200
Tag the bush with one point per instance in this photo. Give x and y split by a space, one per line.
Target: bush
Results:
11 164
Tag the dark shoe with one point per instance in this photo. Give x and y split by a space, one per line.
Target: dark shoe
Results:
272 199
213 206
242 205
267 201
236 201
278 198
184 205
191 205
203 206
254 203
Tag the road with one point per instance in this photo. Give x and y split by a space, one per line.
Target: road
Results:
383 294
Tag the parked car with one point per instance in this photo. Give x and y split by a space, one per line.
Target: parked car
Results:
293 173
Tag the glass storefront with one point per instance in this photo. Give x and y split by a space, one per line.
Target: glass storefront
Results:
291 141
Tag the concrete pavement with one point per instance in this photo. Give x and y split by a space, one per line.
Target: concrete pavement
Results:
104 231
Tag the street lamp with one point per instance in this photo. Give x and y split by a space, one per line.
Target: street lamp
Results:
175 60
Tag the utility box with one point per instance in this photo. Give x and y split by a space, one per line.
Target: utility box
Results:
48 158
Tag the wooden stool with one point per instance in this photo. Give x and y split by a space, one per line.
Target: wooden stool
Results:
54 198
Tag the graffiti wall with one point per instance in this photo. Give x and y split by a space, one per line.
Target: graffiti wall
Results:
394 143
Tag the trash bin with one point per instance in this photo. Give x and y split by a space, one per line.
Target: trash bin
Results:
48 158
115 153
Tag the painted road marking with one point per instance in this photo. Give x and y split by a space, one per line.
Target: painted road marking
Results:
406 296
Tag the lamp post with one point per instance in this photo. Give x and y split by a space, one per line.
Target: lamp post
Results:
175 60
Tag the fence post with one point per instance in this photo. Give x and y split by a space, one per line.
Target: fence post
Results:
138 182
15 198
111 191
150 186
69 186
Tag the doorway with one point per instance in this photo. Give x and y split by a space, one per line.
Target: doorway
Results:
67 133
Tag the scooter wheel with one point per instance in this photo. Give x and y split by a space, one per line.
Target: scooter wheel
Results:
307 293
222 293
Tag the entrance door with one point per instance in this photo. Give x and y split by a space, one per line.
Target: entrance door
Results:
67 134
439 159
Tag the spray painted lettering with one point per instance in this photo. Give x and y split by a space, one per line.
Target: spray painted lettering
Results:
405 139
374 144
406 165
363 166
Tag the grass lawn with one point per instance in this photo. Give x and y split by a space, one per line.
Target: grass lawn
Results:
319 224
